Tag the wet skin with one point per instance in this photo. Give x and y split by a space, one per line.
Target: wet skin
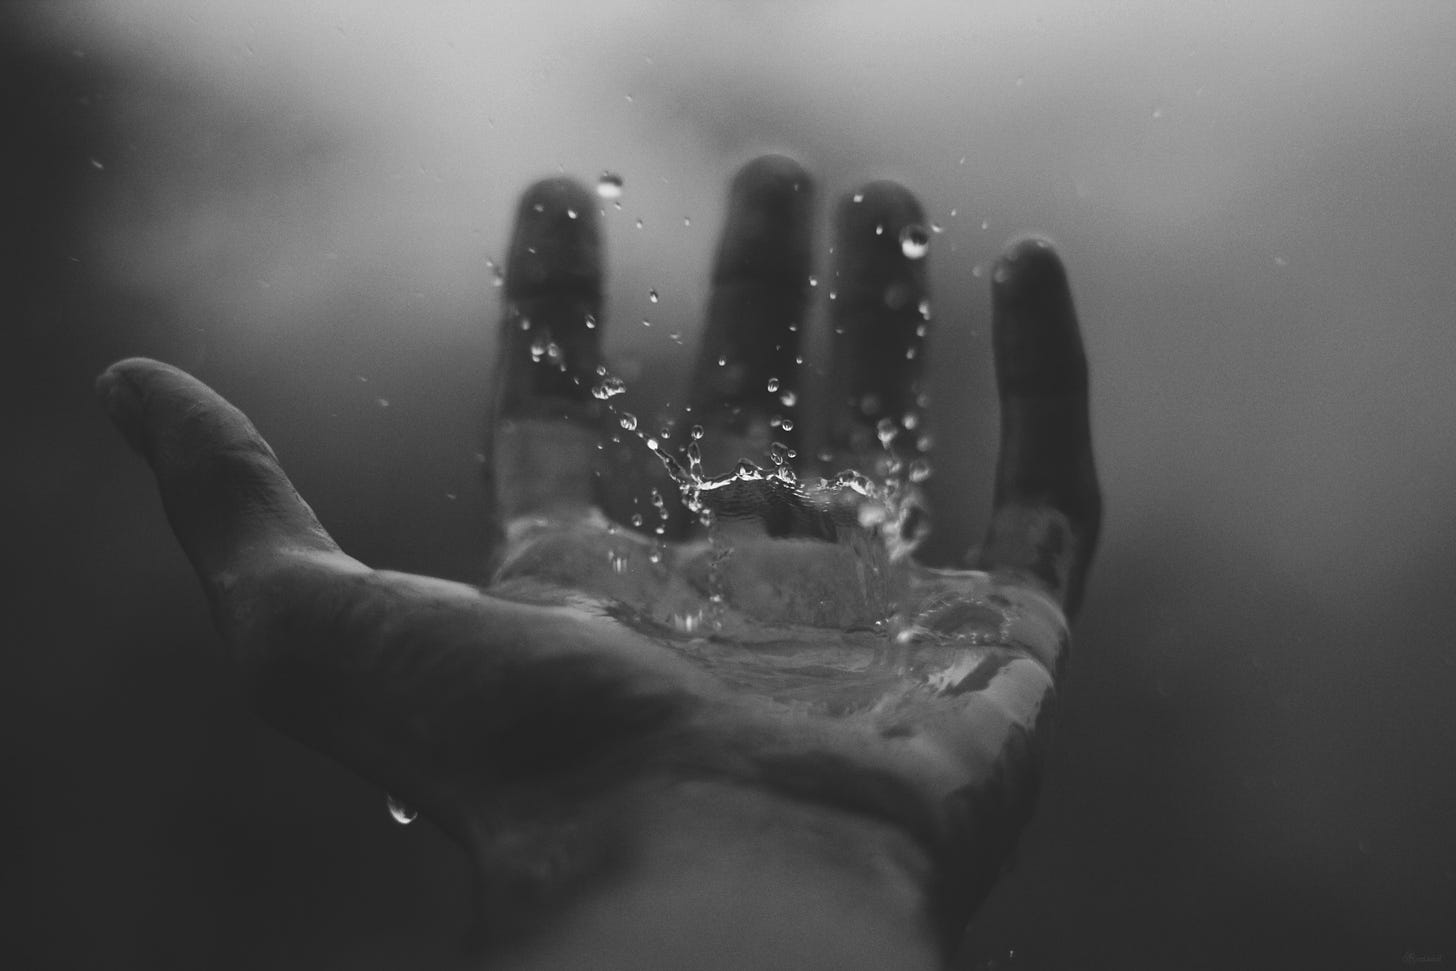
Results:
624 801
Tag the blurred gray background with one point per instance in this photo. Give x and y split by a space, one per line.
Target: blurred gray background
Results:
298 203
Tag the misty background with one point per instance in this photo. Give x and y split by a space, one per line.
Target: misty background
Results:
300 203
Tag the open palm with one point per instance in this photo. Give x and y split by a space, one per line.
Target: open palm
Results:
615 695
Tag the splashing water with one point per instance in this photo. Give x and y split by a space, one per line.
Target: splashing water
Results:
803 589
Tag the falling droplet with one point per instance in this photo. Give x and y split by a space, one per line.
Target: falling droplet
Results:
886 431
914 242
637 519
859 197
609 388
382 402
652 296
609 186
639 224
401 813
924 308
696 433
687 221
773 384
813 281
591 322
789 399
628 421
778 452
571 214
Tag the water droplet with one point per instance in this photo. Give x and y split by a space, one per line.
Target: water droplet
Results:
538 349
97 164
879 229
914 242
978 271
638 224
591 322
1280 261
609 186
401 813
773 384
936 228
859 197
687 221
1157 113
919 470
628 421
1000 275
924 308
571 214
675 337
637 519
539 207
696 432
778 452
789 399
609 387
382 402
646 322
813 281
787 424
652 296
886 430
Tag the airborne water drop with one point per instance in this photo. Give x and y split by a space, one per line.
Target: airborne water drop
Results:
914 242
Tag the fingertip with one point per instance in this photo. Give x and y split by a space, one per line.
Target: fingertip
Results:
770 175
768 234
556 246
1028 264
881 242
121 397
1038 343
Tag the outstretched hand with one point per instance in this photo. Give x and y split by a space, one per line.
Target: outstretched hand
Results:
776 665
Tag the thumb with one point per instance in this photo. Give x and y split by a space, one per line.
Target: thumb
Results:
229 503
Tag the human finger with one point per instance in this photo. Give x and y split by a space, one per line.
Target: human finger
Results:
543 428
745 386
1047 506
879 320
228 501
